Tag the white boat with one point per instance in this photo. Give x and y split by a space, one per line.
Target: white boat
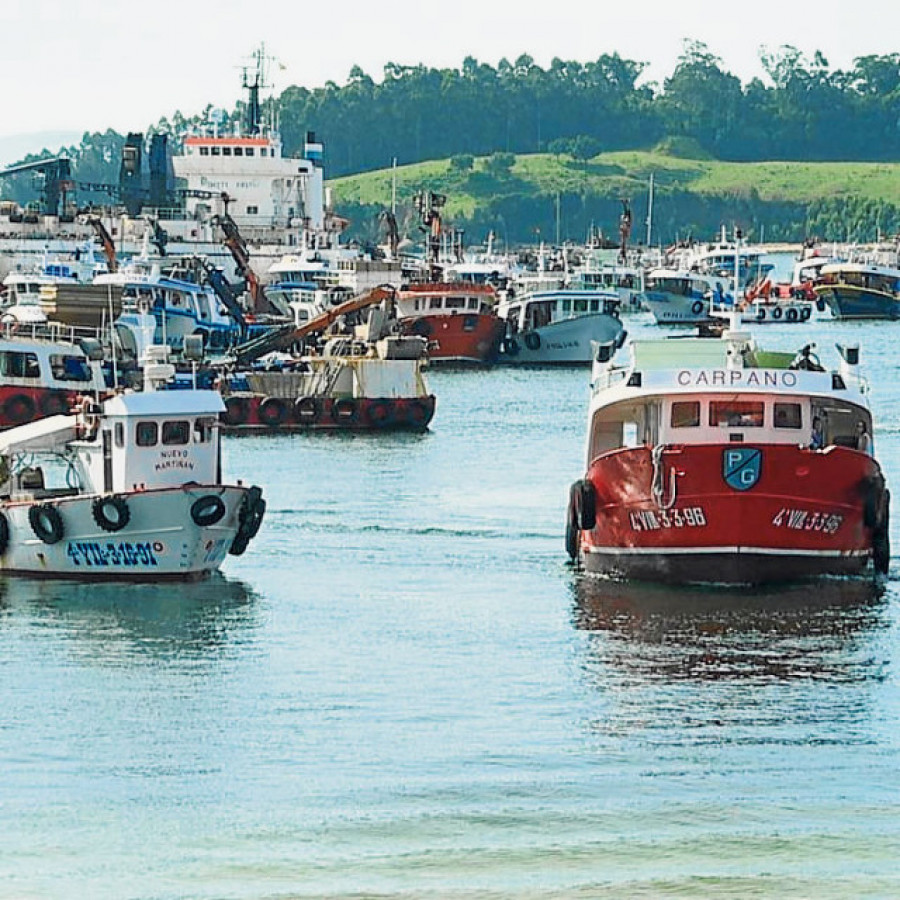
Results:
682 297
127 489
557 326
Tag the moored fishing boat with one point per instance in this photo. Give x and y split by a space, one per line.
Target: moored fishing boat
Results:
557 326
709 459
682 297
127 489
860 290
458 319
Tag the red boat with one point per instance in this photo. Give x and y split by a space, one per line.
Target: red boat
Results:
458 319
711 460
42 376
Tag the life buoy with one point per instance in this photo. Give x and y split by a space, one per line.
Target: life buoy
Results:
237 411
805 313
777 312
697 307
250 517
380 413
417 413
760 315
345 411
4 533
46 523
111 513
510 346
307 410
19 409
272 411
54 403
792 315
207 510
421 327
532 340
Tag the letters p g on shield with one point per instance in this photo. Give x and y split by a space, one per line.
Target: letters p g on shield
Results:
741 467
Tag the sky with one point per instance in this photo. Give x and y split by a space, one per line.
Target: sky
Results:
71 66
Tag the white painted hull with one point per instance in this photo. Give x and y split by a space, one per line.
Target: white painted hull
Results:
160 541
567 342
675 309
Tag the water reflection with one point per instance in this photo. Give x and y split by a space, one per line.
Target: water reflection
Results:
159 619
818 630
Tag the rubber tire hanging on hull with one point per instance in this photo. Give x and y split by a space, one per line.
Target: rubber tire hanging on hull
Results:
116 522
46 523
4 533
881 540
697 307
250 516
19 409
207 510
237 411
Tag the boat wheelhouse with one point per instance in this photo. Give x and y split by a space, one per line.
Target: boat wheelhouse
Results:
710 459
459 320
682 297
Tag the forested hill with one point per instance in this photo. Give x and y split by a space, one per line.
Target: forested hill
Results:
483 121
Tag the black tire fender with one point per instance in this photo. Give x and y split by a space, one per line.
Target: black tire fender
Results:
19 409
46 523
54 403
586 505
207 510
532 340
4 533
308 410
237 411
272 411
121 514
697 307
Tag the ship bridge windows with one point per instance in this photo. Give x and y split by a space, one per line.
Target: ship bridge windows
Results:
249 151
455 303
216 151
736 413
66 367
238 151
17 364
226 151
685 414
204 151
473 303
146 434
788 415
176 433
435 303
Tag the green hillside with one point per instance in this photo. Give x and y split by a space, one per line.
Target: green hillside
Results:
519 195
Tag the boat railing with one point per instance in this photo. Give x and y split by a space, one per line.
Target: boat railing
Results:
54 331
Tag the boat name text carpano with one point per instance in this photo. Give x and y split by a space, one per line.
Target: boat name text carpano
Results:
737 378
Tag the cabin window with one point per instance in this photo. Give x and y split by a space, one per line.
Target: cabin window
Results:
456 303
580 306
686 414
216 151
595 305
226 151
119 433
238 151
203 305
69 368
736 413
567 306
204 151
174 433
473 303
435 303
787 415
146 434
252 210
203 429
249 151
19 365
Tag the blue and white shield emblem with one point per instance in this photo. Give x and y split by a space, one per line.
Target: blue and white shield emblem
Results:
741 467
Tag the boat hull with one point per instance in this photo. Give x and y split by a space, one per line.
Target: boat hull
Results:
680 515
850 302
466 338
676 309
566 342
161 541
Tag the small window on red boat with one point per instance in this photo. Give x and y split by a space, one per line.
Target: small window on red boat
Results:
787 415
16 364
455 303
686 414
66 367
176 433
736 413
435 303
146 434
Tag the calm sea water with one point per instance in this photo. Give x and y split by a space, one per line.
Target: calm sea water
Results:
402 690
